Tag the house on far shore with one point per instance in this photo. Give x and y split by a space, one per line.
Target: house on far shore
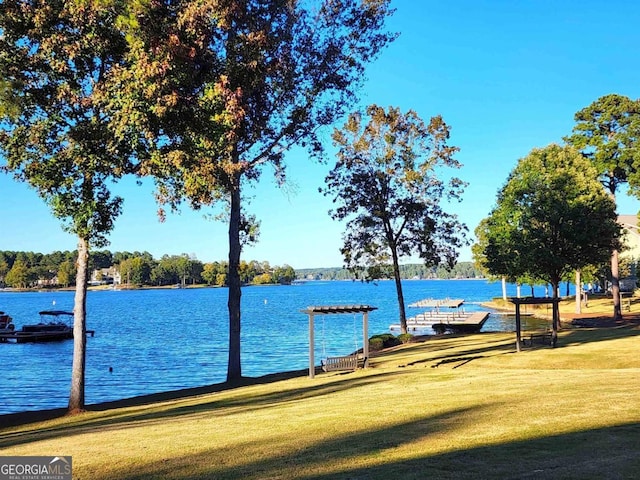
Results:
105 276
630 255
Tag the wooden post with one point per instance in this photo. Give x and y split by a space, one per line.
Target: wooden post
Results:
365 339
312 365
578 293
518 338
504 289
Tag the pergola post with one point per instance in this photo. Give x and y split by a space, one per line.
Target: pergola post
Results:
518 327
312 343
365 337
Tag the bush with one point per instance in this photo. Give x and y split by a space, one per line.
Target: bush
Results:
384 340
405 337
376 344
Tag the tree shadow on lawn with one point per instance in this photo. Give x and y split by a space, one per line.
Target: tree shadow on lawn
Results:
23 418
592 454
599 453
458 349
302 460
584 335
114 418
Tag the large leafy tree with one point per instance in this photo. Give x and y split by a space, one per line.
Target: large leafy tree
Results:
55 130
608 133
552 217
386 184
228 87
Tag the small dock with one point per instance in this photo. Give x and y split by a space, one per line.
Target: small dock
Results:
463 323
444 315
473 322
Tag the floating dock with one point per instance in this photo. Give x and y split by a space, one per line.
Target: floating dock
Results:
446 315
463 323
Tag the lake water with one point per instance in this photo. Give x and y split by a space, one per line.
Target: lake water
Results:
169 339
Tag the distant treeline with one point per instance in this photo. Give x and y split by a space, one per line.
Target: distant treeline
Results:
410 271
57 269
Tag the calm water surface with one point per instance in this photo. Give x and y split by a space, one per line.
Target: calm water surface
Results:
159 340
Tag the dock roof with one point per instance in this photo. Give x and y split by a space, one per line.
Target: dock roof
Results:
435 302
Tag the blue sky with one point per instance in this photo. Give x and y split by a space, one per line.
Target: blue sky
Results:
507 76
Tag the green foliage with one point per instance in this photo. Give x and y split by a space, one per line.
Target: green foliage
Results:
552 217
66 273
386 184
139 268
223 89
41 269
383 340
408 271
607 132
284 275
262 279
215 273
56 132
405 337
136 271
376 344
19 275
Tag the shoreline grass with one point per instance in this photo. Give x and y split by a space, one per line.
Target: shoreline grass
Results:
444 407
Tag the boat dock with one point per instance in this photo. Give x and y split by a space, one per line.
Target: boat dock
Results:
467 323
445 315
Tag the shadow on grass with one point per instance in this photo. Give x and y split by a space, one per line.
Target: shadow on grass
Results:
460 350
600 453
575 336
23 418
594 454
304 461
115 418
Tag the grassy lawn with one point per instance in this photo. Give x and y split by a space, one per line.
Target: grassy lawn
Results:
448 407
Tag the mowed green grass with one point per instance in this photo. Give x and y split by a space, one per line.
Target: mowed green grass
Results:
448 407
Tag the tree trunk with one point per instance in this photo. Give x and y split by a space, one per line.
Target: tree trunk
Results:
234 368
555 314
396 276
578 293
615 286
615 271
76 396
504 289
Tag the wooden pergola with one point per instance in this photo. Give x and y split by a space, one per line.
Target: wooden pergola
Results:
333 310
530 301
